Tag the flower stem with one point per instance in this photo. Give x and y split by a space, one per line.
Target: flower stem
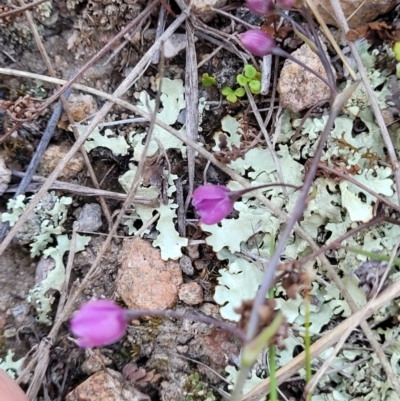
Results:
234 195
273 394
307 337
321 53
131 314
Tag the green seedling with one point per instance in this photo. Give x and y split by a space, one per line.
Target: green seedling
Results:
208 80
232 95
250 77
396 49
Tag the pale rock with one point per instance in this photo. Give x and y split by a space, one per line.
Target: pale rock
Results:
51 158
144 280
95 362
205 5
106 385
81 106
299 89
90 217
174 44
5 176
186 265
367 10
191 293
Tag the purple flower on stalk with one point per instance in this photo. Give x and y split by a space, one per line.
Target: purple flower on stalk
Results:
260 6
98 323
258 42
212 203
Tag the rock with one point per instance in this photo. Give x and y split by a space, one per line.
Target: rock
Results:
81 106
193 251
300 89
51 158
205 5
5 176
200 264
216 349
9 333
186 265
144 280
174 44
95 362
106 385
43 268
191 293
90 217
369 10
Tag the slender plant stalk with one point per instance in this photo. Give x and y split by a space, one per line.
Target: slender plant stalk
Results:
273 394
307 337
321 53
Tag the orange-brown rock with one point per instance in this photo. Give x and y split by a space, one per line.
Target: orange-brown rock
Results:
145 281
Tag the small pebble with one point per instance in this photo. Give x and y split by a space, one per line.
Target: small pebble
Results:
200 264
90 217
193 251
9 333
191 293
186 265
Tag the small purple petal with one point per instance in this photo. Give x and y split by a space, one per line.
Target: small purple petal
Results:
212 202
257 42
98 323
260 6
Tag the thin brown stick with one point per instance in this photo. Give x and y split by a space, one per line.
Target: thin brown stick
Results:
192 105
81 190
267 138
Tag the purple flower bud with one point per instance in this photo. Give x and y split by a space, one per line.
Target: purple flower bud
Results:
98 323
212 203
285 4
257 42
260 6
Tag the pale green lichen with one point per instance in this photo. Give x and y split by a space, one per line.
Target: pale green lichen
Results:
10 366
39 296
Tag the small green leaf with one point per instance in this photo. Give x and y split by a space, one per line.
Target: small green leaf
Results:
257 77
207 80
240 92
255 87
242 80
252 349
396 49
250 71
226 91
231 98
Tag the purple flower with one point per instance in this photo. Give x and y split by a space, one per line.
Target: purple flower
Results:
260 6
98 323
212 203
257 42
